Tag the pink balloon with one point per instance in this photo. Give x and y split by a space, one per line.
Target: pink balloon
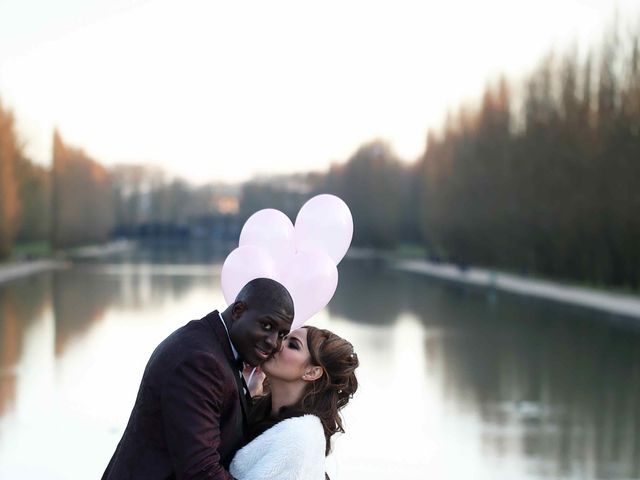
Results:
311 278
243 265
272 230
324 223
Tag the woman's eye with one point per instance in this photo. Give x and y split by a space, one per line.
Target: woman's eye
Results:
293 345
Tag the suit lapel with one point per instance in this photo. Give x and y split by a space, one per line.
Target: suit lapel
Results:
218 328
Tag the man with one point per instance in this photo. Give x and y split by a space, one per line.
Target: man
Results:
190 414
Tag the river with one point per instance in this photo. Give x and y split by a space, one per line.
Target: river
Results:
455 382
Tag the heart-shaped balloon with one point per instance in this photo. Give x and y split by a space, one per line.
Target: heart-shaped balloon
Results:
311 278
303 258
324 223
243 265
271 230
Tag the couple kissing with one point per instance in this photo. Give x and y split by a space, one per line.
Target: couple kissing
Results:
196 418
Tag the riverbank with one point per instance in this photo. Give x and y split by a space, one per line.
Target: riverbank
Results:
17 269
625 305
90 252
613 303
13 271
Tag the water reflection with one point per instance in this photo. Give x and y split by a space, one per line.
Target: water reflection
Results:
558 386
563 386
21 303
166 252
518 388
79 300
84 294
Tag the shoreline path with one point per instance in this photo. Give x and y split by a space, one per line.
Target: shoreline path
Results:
619 304
13 271
614 303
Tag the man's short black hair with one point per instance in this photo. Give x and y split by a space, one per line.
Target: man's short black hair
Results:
265 293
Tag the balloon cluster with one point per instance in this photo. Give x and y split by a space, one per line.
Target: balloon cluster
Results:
302 258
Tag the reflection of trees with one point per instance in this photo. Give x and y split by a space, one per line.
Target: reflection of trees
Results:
20 303
174 287
555 381
82 295
9 353
570 382
79 300
367 293
181 252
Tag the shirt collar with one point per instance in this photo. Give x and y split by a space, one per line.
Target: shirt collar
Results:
236 355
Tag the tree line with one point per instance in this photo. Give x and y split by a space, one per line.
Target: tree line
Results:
547 181
78 201
539 176
24 190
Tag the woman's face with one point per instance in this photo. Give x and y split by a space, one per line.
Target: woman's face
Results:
292 360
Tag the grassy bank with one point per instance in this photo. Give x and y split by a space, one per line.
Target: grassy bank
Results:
30 251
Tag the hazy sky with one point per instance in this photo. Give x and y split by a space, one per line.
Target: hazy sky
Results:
222 90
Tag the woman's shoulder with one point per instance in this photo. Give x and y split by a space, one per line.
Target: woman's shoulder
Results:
304 430
288 449
307 422
308 419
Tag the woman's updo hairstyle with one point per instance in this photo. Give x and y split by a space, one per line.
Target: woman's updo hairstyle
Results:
328 394
323 397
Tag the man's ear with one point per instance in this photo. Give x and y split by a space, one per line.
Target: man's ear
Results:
238 309
312 373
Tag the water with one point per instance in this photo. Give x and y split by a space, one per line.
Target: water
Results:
455 383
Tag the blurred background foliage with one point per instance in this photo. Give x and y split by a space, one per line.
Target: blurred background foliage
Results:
539 176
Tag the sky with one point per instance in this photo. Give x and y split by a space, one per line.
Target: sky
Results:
223 91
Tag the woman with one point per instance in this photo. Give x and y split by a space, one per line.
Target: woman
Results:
309 380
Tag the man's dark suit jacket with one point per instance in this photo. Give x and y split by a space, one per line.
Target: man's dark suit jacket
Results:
189 416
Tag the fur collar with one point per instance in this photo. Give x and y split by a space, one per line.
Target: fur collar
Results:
293 449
